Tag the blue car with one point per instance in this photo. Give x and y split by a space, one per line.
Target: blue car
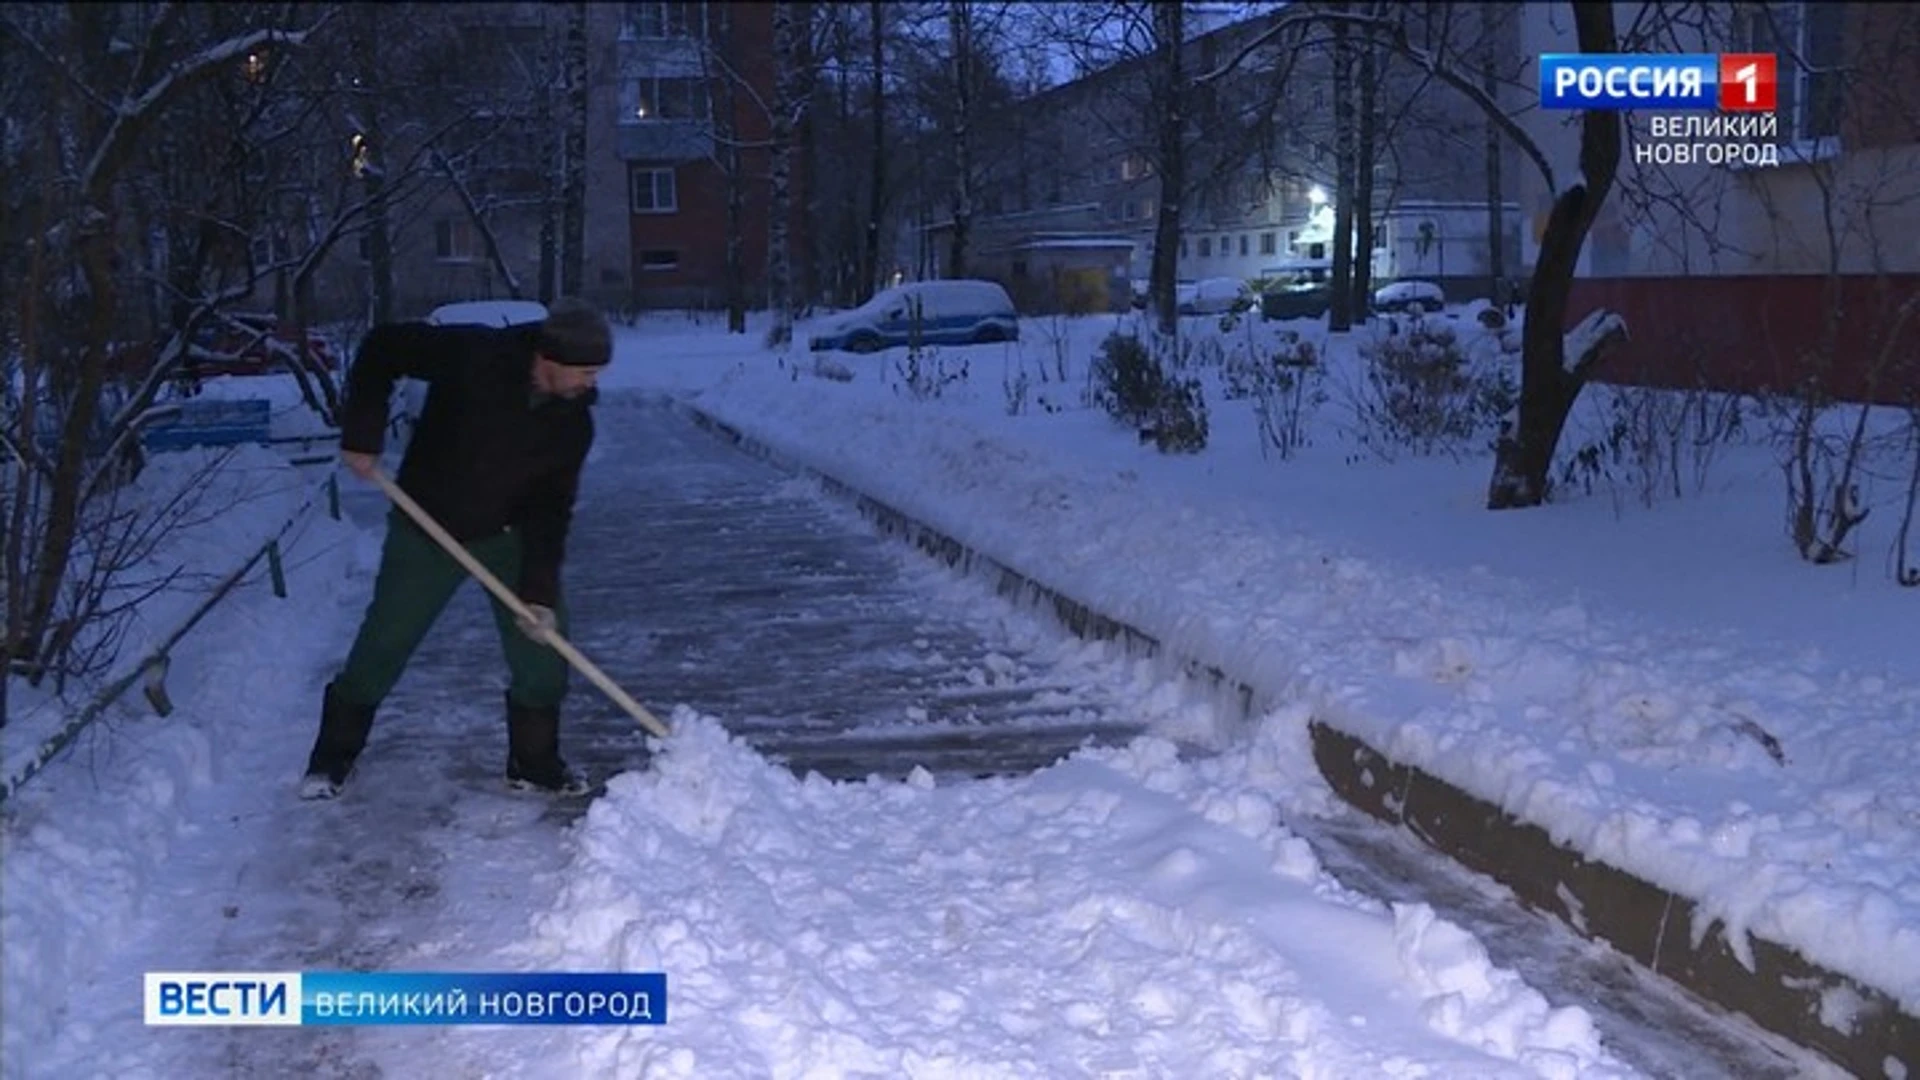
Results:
926 312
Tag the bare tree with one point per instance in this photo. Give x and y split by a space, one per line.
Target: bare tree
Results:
1550 378
877 161
1366 163
1496 223
1340 313
234 155
573 154
789 102
99 109
726 87
1870 324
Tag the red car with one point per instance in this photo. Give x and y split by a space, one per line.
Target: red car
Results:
252 344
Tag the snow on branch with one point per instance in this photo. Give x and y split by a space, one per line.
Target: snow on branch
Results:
1587 343
132 115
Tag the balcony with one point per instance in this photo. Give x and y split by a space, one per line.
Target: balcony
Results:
663 140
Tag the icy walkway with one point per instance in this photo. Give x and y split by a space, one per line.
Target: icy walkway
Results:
702 577
699 576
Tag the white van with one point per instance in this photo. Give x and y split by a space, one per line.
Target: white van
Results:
929 312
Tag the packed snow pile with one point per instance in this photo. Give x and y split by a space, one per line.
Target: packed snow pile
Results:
1117 915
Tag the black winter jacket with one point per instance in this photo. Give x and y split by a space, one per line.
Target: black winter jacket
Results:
486 456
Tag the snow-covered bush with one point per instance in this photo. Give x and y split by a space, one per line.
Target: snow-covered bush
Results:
1130 383
1651 442
1285 386
1124 381
924 374
1423 390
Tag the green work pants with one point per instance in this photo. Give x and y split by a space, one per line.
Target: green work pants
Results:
417 577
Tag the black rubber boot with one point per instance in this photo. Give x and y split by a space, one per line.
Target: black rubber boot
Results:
533 752
343 733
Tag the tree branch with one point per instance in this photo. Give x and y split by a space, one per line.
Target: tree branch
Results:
61 67
133 114
1393 35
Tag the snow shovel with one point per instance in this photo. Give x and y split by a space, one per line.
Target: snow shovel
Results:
506 596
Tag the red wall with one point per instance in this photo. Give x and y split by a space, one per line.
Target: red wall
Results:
1760 333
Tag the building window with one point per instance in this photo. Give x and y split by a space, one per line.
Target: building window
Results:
1243 243
662 20
268 250
454 240
1146 209
1316 251
653 191
1206 247
1809 40
1266 243
659 260
646 100
1183 249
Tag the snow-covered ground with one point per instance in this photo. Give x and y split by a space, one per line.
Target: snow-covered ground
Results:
1596 666
1668 688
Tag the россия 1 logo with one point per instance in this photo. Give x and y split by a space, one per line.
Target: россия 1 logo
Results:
1723 82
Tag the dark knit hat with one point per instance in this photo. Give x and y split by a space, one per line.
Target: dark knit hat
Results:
575 333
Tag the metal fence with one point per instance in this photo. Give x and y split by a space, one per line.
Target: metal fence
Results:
151 671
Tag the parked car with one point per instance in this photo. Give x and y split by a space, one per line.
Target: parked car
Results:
1303 300
1213 296
1411 297
928 312
488 313
248 343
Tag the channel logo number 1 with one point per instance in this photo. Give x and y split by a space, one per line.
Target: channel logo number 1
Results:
1748 82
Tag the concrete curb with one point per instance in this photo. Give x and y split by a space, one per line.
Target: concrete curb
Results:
1784 992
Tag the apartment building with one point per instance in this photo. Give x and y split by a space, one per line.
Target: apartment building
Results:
1736 275
671 87
1076 173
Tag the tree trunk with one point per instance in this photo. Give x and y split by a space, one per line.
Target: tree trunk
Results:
727 142
373 175
379 249
1340 313
1523 456
1365 157
1496 223
573 211
960 26
549 158
870 272
1169 24
846 267
95 251
786 106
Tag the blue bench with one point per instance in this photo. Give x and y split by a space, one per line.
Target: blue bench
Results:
210 423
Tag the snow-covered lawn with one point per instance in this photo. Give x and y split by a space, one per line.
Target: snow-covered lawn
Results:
1667 688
